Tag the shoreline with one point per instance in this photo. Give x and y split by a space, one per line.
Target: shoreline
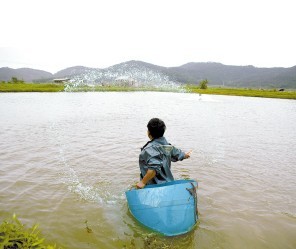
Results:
51 87
245 92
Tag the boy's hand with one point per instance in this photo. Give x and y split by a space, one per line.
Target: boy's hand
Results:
187 155
140 185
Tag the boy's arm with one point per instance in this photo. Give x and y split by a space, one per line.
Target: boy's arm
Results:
149 175
179 155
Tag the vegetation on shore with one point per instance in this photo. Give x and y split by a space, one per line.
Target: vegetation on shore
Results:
264 93
14 235
19 86
31 87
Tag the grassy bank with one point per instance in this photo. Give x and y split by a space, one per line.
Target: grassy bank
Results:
14 235
30 87
50 87
264 93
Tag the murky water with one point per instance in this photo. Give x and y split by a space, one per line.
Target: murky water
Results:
67 158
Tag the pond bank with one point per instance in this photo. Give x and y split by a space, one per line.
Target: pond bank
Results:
50 87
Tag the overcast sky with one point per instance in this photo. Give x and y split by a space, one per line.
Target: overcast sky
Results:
52 35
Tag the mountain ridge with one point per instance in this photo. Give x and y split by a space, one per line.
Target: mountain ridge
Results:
27 74
190 73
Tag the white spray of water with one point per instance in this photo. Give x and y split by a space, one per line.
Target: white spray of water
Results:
70 177
85 191
125 74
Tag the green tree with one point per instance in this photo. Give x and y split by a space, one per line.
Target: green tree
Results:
15 80
203 84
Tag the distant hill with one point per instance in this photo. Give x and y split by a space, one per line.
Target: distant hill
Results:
237 76
142 72
136 72
71 71
26 74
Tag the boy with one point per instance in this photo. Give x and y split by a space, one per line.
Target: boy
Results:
156 156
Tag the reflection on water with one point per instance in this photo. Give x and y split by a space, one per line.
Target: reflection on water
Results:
67 158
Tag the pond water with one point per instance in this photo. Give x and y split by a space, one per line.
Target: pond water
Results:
67 158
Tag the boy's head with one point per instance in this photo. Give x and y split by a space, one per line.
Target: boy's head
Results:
156 127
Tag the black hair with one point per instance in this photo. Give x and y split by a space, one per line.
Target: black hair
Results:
156 127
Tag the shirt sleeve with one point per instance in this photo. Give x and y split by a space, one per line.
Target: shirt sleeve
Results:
177 154
153 159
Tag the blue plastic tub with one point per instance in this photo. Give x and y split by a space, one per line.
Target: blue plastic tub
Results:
169 208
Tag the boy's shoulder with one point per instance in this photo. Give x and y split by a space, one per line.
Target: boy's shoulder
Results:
149 151
154 149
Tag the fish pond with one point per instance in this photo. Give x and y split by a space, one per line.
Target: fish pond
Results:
66 160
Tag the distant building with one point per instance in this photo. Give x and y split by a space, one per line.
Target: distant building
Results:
125 81
61 80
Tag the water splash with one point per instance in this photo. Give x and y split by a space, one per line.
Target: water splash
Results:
85 191
128 74
70 177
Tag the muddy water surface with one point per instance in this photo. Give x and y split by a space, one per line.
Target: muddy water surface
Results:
67 158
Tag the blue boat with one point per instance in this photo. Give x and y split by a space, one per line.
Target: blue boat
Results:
169 208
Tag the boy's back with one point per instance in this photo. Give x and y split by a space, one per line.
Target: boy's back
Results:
156 156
